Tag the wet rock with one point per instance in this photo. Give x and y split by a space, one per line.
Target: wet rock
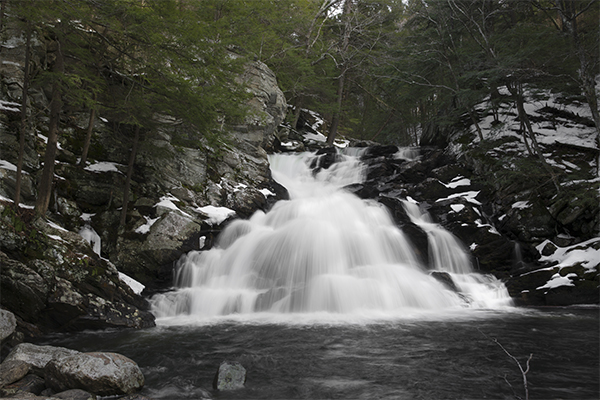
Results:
105 374
12 371
230 376
445 279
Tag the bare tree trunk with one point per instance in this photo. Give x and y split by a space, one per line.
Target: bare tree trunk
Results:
23 128
134 149
517 91
335 121
88 138
45 184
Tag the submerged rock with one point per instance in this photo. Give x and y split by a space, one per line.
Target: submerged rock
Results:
230 376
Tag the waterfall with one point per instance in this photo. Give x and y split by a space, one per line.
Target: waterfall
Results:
324 250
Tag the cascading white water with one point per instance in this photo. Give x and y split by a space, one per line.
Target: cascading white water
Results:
324 250
448 256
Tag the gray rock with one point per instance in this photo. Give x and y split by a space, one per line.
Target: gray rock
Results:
75 394
12 371
8 324
38 356
30 383
105 374
230 376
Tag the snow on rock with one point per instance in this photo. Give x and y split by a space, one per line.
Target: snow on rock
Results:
166 202
469 196
558 280
103 166
457 207
7 165
586 254
215 215
456 182
143 229
521 205
136 286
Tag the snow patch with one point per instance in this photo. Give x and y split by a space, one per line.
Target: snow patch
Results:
469 196
143 229
215 215
103 166
457 207
521 205
136 286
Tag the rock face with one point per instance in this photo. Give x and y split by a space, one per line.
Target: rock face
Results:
105 374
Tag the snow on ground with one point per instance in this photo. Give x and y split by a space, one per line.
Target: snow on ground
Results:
549 130
216 215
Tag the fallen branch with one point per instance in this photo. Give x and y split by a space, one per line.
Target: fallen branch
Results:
524 371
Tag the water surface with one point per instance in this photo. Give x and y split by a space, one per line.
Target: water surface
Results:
449 356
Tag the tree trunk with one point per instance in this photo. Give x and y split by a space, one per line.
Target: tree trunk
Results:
23 129
132 156
88 137
335 121
45 185
517 91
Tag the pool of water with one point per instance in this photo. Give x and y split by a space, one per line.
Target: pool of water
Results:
450 356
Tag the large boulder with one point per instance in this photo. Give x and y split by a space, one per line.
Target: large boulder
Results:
105 374
38 356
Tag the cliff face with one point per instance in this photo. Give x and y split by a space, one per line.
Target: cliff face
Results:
182 190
